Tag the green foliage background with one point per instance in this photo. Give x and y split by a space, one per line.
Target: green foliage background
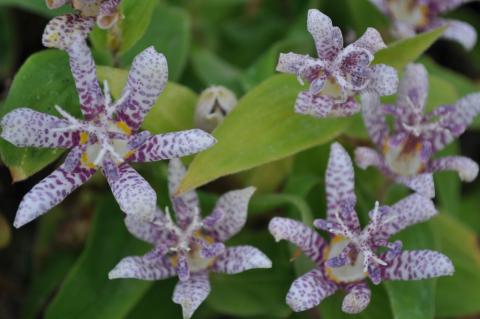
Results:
234 43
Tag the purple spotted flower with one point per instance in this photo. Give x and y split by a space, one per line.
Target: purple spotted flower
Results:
107 138
352 254
406 153
105 12
193 247
410 17
338 74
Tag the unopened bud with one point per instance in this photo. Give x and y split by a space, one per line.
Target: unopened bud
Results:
212 107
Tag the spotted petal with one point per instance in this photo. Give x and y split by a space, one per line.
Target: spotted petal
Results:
185 205
413 90
309 290
417 265
51 191
371 40
28 128
108 14
422 184
383 80
292 63
173 145
147 231
316 105
146 80
241 258
366 157
231 210
144 268
374 118
132 192
308 240
339 186
352 68
466 168
357 298
191 293
328 39
69 33
412 210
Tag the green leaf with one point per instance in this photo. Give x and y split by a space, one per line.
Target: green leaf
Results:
7 41
448 184
173 111
262 128
169 33
138 15
458 296
37 6
43 73
402 52
87 292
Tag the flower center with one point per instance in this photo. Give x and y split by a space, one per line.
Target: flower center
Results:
404 158
409 12
349 273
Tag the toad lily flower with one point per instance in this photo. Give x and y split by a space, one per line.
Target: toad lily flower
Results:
406 154
104 11
194 247
107 138
338 74
410 17
213 106
351 255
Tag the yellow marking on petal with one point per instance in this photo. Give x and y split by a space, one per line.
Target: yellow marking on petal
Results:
174 260
86 162
53 37
83 138
336 240
124 127
129 154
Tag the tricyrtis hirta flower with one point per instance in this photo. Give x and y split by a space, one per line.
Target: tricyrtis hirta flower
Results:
108 137
353 254
213 106
105 12
410 17
405 154
193 246
338 74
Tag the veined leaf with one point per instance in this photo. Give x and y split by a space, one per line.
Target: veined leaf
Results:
87 292
400 53
262 128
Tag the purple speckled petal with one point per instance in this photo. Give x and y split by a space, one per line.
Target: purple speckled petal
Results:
186 205
366 157
308 240
412 210
339 187
459 31
147 231
422 184
466 168
292 63
69 33
348 108
212 250
417 265
352 68
51 191
173 145
146 80
108 14
28 128
319 106
413 90
374 118
357 298
182 268
190 294
328 39
447 5
309 290
132 192
232 207
241 258
55 4
371 40
144 268
383 80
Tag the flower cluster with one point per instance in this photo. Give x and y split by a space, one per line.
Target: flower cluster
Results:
339 74
410 17
194 246
352 255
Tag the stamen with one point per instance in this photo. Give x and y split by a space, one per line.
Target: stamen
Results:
106 93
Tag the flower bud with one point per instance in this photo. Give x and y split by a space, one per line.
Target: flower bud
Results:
212 107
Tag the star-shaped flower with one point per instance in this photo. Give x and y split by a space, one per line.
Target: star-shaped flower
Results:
338 74
193 247
213 106
105 12
406 153
410 17
353 254
108 137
